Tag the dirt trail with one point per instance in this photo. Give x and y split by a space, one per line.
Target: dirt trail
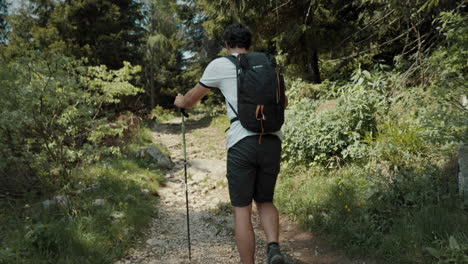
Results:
211 219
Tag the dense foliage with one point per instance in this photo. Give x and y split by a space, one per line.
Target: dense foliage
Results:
106 209
331 131
3 23
378 155
54 117
163 58
105 32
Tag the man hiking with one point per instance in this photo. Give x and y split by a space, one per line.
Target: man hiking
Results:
253 158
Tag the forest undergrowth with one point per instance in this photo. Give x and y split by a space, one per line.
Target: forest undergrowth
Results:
96 217
373 162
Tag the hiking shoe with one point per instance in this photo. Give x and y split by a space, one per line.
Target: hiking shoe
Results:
274 255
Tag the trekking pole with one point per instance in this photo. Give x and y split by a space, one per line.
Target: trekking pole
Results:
184 114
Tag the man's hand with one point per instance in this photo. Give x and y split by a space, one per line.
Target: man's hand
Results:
191 97
179 101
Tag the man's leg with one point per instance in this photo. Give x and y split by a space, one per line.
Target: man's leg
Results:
245 236
270 221
269 166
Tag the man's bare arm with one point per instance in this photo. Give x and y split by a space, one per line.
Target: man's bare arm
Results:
194 95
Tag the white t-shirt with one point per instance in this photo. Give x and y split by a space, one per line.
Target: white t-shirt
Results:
221 73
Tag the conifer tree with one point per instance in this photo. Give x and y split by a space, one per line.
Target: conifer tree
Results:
3 22
105 32
162 50
302 29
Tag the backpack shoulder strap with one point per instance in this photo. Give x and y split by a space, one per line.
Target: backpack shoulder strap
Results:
232 58
271 59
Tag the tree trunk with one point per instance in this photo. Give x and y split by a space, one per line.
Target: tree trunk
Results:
151 80
312 67
315 70
309 60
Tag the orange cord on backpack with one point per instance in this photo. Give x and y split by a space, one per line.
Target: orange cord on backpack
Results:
278 88
260 109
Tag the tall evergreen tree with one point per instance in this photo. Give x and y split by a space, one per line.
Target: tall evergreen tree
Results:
106 32
399 27
163 56
301 29
366 31
3 22
201 48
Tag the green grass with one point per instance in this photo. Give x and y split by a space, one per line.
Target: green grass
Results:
78 231
162 115
143 138
368 217
220 122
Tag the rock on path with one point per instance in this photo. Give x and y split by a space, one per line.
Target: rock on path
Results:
211 219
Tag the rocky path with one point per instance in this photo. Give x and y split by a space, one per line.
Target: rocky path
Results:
211 219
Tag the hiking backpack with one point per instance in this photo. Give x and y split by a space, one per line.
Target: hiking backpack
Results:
260 92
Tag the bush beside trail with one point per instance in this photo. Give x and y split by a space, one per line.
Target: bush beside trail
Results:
72 188
54 118
377 169
101 213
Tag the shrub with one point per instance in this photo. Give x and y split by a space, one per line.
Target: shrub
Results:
368 215
160 114
445 69
297 89
80 231
53 117
316 135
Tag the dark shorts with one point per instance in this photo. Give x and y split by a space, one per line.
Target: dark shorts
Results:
252 169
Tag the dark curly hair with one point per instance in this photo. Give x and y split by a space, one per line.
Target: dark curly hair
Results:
237 35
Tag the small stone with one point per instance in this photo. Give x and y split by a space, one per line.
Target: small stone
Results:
117 215
61 199
47 203
92 187
155 155
145 191
155 242
99 202
89 188
129 198
214 202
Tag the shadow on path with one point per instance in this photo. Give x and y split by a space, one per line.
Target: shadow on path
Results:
194 122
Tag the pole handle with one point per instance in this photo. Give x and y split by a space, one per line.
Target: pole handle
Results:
182 110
